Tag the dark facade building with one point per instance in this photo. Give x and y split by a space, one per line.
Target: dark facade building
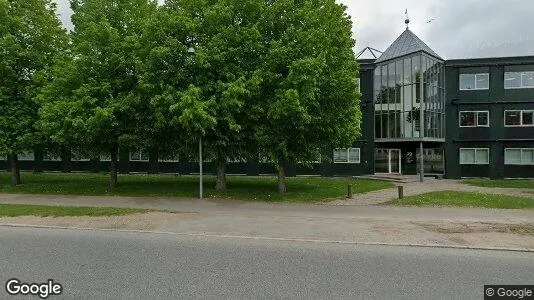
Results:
468 117
465 118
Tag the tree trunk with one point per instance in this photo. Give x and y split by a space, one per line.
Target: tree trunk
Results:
15 170
281 177
114 168
221 175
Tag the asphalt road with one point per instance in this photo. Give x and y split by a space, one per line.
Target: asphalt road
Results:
120 265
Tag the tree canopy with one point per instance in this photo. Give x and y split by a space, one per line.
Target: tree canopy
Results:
92 101
309 97
31 36
251 77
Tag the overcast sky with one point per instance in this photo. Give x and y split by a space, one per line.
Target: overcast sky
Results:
460 29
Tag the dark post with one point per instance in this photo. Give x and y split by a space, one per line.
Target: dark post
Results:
349 191
401 192
421 163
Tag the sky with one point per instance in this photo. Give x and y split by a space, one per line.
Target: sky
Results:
459 28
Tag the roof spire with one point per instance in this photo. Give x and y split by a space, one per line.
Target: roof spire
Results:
407 20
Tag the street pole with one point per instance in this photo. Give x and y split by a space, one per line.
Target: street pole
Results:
200 165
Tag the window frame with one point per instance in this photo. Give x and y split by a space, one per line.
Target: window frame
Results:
48 158
348 156
521 163
475 162
521 80
140 152
476 112
24 156
76 158
521 111
475 87
170 158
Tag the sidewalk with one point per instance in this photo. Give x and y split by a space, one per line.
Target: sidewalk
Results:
458 227
245 208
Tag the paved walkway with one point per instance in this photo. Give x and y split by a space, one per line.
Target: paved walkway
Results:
285 210
351 222
372 224
430 185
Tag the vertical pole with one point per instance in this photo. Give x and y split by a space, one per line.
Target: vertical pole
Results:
421 118
421 161
389 161
200 165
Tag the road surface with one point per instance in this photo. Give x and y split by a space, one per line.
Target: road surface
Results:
126 265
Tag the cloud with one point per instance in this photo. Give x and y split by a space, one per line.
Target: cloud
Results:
64 12
461 29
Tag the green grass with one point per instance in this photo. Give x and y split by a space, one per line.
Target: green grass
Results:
241 188
466 199
16 210
502 183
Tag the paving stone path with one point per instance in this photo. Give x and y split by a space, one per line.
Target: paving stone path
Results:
430 185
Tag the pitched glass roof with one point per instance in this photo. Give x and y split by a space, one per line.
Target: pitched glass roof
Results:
406 43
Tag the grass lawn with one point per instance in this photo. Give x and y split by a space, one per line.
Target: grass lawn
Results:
502 183
465 199
242 188
16 210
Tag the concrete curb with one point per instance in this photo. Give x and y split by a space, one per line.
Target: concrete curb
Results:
272 238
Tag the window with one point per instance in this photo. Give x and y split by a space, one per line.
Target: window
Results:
26 156
105 157
358 82
474 81
518 80
351 155
80 157
174 157
139 155
527 118
474 118
517 118
518 156
51 157
474 156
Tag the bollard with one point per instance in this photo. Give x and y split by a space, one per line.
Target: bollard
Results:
349 191
401 192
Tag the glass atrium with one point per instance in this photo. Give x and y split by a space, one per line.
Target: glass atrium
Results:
409 77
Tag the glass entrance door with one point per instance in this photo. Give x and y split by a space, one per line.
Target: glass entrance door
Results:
388 161
394 161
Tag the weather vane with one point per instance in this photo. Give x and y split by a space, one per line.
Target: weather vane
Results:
407 20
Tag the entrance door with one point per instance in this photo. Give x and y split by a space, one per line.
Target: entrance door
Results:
388 161
394 161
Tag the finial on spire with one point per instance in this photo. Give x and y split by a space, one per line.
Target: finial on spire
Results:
407 20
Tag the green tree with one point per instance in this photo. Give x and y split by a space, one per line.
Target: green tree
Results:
166 71
309 97
199 61
93 101
31 35
230 47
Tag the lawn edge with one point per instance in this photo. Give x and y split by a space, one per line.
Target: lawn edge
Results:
395 202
